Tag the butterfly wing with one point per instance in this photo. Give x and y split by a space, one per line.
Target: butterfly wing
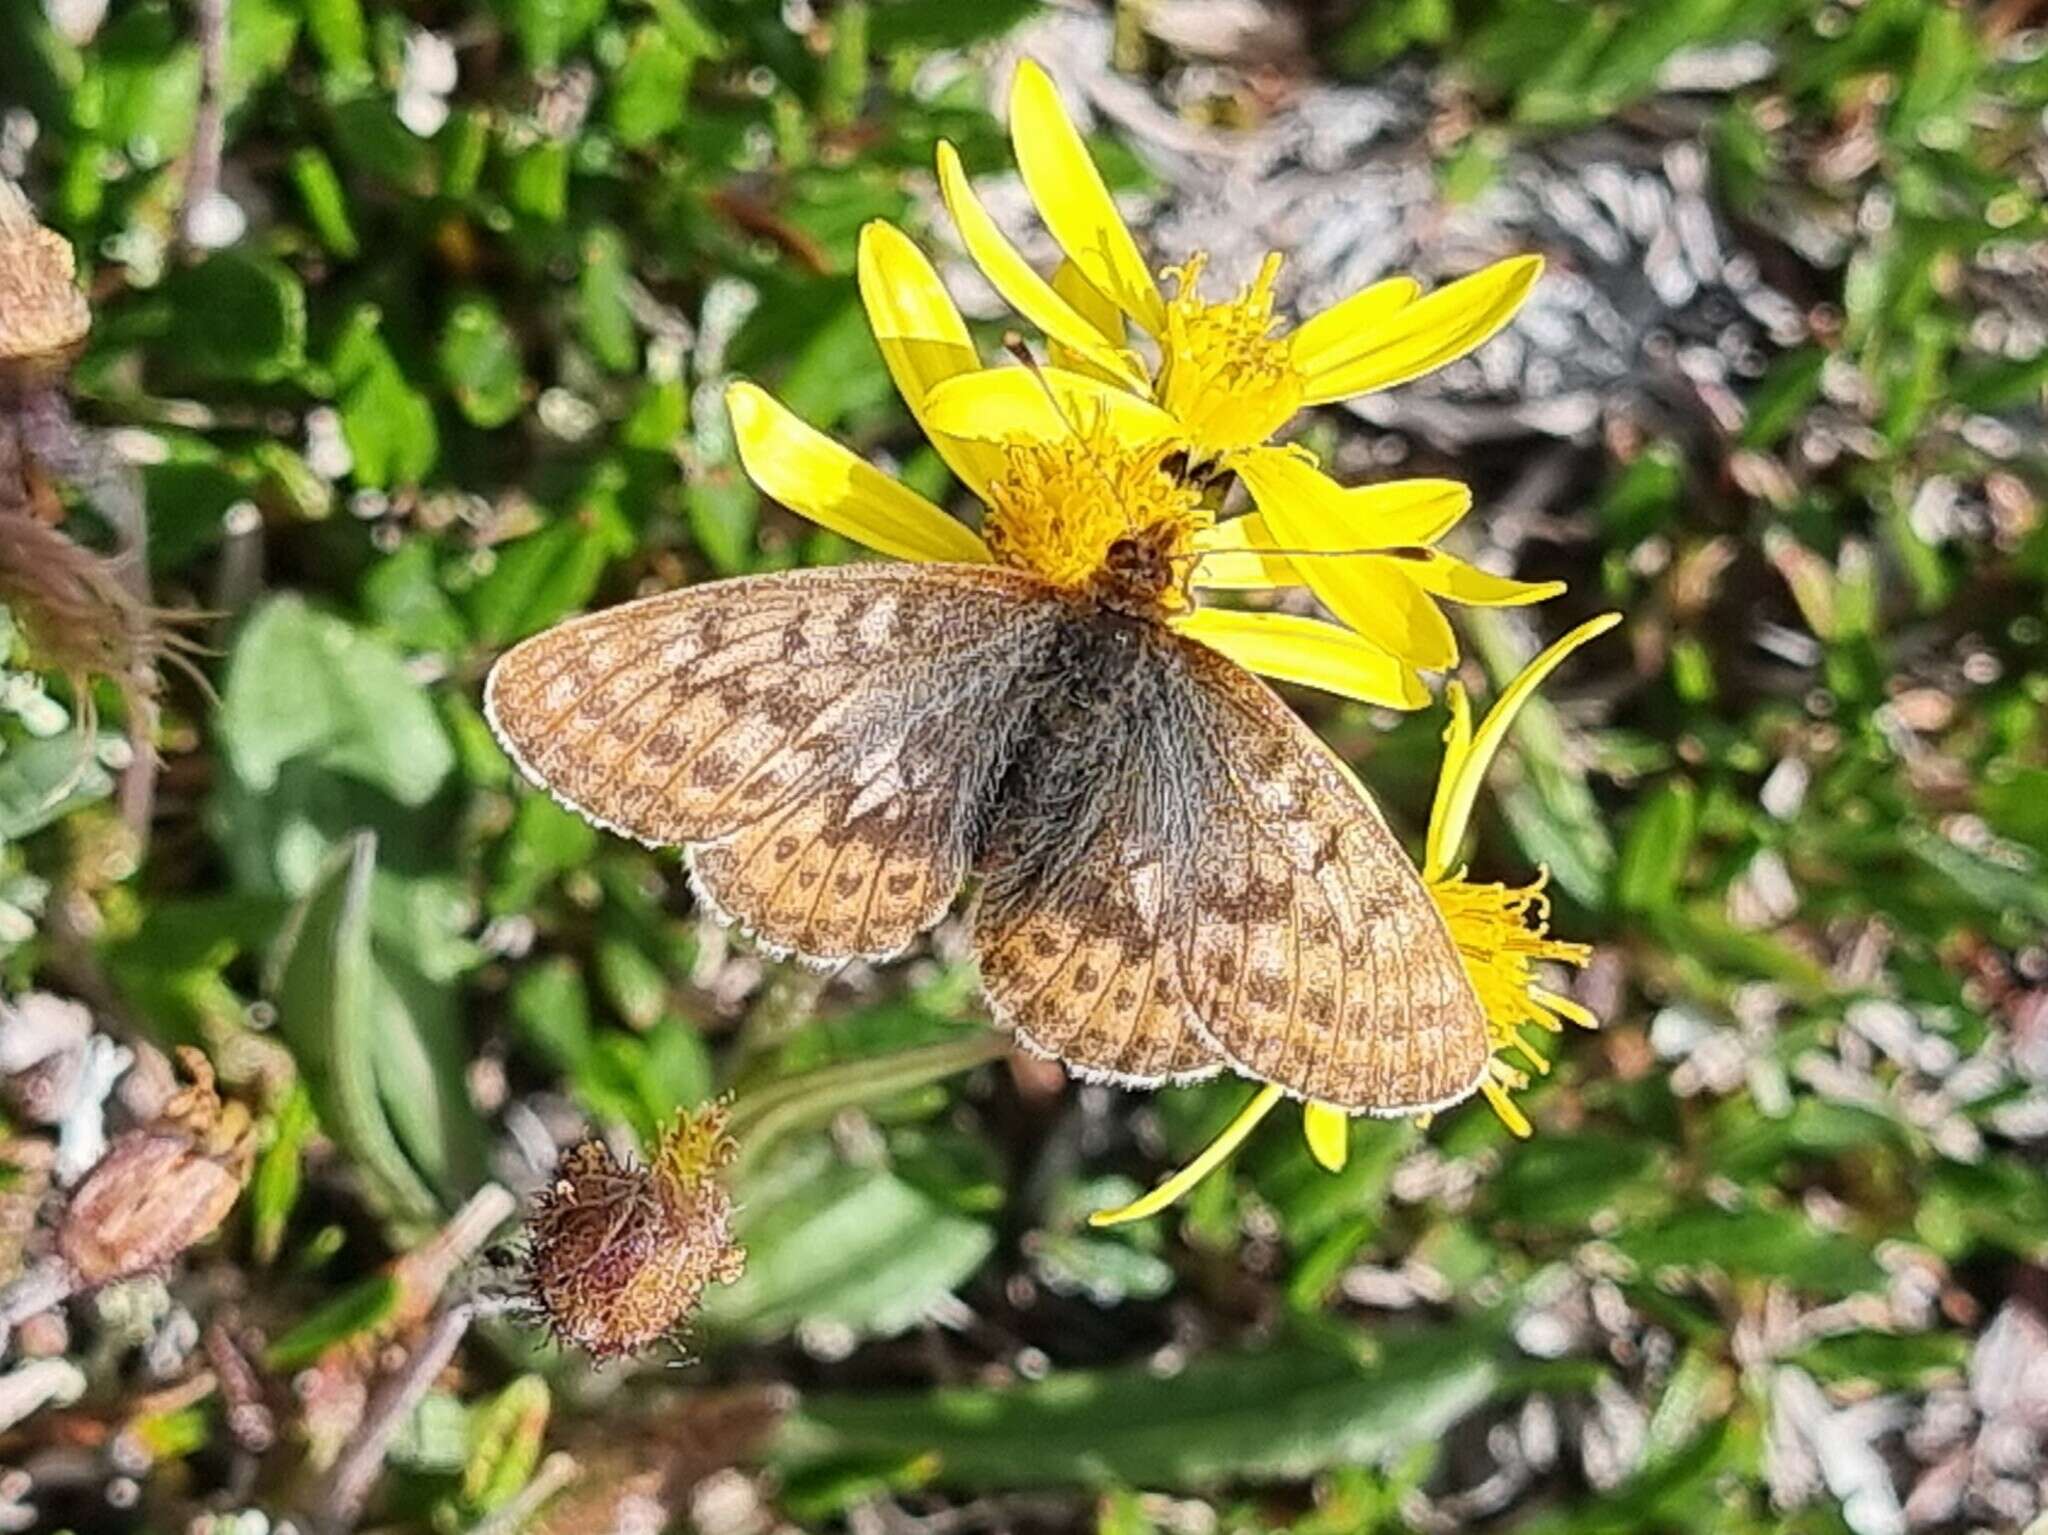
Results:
1085 889
1228 886
820 740
1317 959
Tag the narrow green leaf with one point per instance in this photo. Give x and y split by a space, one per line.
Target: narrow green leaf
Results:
1280 1413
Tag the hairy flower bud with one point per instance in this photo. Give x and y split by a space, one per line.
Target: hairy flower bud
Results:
43 316
619 1254
160 1188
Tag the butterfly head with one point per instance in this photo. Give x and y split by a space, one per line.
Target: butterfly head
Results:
1092 516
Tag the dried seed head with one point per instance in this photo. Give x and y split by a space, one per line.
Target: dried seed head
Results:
619 1255
160 1188
43 316
80 618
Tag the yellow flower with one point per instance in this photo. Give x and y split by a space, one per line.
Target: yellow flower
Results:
1501 930
1228 378
1055 503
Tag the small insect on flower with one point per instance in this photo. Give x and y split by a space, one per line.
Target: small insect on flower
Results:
619 1254
1227 377
160 1188
1175 875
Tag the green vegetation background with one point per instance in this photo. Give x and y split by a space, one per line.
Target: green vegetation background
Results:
447 389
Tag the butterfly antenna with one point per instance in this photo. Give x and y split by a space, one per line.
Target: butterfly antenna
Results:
1015 346
1415 552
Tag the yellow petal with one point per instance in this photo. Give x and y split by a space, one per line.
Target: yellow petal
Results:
1448 576
922 337
1465 765
1234 557
1212 1157
1446 822
1044 405
1510 1115
1335 335
1428 333
810 473
1564 1007
1327 1129
1309 652
1375 594
1021 287
1389 515
1071 198
1098 310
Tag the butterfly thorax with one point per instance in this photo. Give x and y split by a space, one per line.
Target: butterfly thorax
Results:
1097 519
1144 574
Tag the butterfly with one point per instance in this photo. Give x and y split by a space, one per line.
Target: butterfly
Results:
1174 874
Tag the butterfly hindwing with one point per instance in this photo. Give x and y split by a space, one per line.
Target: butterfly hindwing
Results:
1317 958
1222 893
820 739
1085 886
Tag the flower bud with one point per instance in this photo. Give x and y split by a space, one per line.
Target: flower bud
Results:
619 1254
43 316
160 1188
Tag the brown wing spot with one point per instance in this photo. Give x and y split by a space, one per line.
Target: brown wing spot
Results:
714 770
1266 988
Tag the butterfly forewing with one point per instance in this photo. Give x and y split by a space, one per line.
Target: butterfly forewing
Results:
820 739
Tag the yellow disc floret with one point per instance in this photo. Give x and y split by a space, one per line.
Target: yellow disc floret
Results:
1226 377
1069 510
1503 932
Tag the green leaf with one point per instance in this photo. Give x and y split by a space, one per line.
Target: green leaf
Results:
548 29
544 577
335 1013
144 77
724 512
389 425
274 1190
235 316
305 685
405 597
854 1247
337 29
1760 1242
1279 1413
505 1437
1564 1180
604 313
1655 852
898 24
481 364
651 92
350 1314
42 781
326 204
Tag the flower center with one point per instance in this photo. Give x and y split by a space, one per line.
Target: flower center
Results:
1503 932
1226 377
1084 512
